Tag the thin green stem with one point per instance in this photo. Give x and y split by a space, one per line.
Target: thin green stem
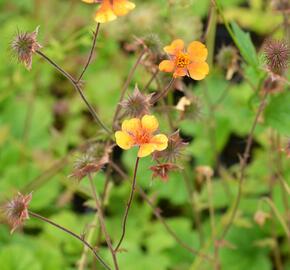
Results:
212 221
278 215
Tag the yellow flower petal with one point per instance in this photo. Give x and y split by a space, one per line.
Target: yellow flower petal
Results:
160 141
90 1
197 51
105 13
175 47
180 72
149 123
146 149
124 140
167 66
131 126
198 71
122 7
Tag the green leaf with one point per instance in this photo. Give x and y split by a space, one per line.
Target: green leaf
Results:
18 257
277 113
245 45
246 254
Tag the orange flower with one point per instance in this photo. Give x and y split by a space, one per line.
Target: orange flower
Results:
191 62
110 9
139 132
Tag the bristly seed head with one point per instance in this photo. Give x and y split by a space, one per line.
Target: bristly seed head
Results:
24 45
277 56
95 158
16 210
137 104
174 151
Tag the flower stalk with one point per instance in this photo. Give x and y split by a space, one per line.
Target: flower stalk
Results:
76 85
37 216
125 217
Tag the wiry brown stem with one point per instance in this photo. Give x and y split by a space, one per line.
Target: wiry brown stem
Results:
90 54
124 223
244 161
158 215
126 85
32 214
162 93
102 222
78 89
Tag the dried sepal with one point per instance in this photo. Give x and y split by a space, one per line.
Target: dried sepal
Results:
162 170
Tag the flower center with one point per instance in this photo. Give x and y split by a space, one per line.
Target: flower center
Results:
142 138
182 60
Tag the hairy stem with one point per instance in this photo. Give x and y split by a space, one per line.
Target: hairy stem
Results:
212 221
278 215
124 223
78 89
82 263
102 222
157 214
90 54
162 93
73 235
126 85
244 160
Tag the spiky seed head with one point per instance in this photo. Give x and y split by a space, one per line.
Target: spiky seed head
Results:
260 217
16 210
24 45
281 5
92 161
227 59
277 56
203 172
174 150
189 107
137 104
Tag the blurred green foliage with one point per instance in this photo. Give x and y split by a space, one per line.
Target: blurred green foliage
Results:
32 139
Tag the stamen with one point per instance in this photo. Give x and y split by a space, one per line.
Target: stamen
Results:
182 60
